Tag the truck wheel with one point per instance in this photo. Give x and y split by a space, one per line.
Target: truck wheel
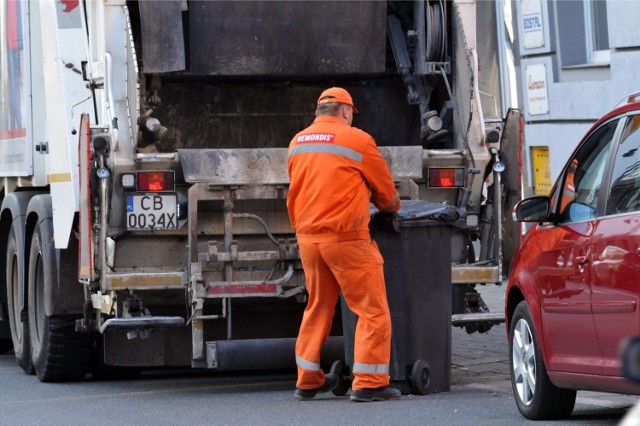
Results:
57 351
19 328
536 397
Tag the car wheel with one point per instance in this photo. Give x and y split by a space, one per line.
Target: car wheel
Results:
536 397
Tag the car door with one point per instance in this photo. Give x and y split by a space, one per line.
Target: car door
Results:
615 251
563 274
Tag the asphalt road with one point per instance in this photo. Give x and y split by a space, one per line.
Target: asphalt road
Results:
480 395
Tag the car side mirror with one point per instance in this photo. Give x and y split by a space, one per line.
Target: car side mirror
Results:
533 209
630 354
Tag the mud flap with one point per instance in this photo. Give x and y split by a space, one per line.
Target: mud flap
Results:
166 347
511 146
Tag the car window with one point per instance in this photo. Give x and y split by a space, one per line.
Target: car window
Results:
582 178
624 194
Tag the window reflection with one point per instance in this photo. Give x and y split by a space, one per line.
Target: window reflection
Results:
624 194
583 176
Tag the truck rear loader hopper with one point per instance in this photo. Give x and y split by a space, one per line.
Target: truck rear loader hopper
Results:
152 230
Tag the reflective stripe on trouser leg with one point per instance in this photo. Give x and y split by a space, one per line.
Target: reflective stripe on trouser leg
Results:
316 322
359 367
307 365
357 265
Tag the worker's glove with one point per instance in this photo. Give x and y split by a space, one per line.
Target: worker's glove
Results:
383 217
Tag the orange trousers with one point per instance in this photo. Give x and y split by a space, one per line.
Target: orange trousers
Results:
355 269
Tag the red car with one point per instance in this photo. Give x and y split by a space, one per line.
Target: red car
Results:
574 288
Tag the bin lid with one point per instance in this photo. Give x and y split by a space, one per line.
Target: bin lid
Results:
412 210
421 209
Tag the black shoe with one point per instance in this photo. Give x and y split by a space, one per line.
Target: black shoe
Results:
377 394
330 382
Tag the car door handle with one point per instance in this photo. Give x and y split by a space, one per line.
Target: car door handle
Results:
582 260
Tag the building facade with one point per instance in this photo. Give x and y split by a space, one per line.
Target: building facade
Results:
577 59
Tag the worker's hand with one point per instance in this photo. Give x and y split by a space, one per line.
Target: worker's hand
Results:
383 217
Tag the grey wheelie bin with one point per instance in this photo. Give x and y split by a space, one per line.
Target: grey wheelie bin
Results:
416 248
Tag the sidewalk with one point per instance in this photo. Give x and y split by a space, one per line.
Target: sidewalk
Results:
482 361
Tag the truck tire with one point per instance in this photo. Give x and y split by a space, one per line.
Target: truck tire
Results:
19 328
536 397
58 352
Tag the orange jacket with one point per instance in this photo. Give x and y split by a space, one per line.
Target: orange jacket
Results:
335 171
569 191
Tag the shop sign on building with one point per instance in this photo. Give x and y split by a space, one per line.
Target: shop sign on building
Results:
532 24
537 95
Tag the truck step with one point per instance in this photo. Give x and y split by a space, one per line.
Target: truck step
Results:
463 274
140 323
462 319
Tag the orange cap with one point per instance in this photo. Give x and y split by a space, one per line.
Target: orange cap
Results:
337 94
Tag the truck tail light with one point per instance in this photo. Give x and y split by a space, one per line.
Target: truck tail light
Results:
155 181
445 178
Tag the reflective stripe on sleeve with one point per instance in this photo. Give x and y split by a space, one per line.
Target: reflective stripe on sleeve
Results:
359 367
327 149
307 365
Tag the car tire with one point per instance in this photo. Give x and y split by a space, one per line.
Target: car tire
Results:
536 397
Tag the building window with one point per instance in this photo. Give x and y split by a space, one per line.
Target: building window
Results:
597 31
582 41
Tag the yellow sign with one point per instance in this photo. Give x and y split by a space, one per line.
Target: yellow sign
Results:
541 170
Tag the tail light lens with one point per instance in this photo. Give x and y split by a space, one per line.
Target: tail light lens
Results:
445 177
155 181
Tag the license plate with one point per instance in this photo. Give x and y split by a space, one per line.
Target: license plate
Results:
152 212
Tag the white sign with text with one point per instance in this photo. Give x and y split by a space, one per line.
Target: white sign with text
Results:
537 94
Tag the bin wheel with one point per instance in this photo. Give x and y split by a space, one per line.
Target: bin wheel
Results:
338 368
420 377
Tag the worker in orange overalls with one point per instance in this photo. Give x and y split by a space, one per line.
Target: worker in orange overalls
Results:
336 171
569 190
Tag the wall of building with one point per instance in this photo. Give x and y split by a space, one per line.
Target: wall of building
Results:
563 90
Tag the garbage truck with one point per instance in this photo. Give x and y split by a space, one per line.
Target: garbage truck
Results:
143 151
